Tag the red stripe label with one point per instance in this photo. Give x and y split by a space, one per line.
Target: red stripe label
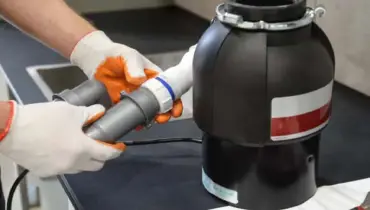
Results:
285 126
300 115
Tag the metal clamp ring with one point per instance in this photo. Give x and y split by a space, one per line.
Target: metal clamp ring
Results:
237 20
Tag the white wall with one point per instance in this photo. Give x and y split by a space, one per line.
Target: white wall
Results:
111 5
347 25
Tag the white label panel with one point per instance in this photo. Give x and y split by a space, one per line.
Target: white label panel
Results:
219 191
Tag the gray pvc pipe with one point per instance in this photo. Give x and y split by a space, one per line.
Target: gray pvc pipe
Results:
138 108
88 93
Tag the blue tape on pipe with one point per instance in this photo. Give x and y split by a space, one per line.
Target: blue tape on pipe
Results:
167 86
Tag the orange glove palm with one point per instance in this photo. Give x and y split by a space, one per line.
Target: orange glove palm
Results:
118 66
113 73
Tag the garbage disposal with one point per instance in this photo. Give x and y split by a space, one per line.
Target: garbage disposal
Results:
263 78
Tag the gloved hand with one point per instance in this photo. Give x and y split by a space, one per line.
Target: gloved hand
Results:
47 138
118 66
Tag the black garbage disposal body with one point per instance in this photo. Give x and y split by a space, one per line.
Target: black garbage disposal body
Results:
262 96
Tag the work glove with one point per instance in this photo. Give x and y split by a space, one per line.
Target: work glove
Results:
118 67
47 138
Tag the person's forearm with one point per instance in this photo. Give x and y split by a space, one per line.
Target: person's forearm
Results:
50 21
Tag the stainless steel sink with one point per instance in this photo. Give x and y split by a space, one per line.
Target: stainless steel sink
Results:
56 77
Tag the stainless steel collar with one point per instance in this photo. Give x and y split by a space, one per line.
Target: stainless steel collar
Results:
237 20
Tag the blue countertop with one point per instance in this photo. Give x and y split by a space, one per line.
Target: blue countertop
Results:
168 176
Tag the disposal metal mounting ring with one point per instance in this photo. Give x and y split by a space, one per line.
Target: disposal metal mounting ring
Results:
237 20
